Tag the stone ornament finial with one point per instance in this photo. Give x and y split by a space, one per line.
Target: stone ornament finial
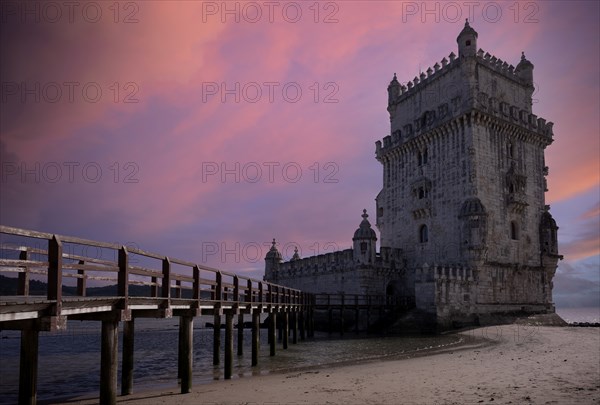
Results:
365 215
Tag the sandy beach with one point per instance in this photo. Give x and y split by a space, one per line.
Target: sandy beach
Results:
515 365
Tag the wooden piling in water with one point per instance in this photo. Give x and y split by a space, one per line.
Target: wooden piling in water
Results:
302 325
127 362
255 336
272 337
108 362
28 367
294 327
286 329
240 335
186 353
216 339
228 344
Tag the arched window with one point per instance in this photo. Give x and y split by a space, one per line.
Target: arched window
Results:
514 231
425 156
423 234
419 158
363 247
511 150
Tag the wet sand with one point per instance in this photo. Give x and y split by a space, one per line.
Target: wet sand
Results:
516 365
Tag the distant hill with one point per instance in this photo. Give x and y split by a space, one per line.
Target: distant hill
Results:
8 286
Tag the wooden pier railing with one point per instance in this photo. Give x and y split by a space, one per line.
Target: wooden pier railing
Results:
169 287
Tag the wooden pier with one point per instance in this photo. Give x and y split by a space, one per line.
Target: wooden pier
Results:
173 288
356 312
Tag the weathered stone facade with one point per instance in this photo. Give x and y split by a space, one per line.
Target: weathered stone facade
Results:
463 223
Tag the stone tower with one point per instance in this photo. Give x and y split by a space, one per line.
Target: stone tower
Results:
464 230
463 187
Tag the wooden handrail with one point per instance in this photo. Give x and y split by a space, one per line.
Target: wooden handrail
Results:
222 285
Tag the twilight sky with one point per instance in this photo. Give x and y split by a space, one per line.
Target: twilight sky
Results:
201 130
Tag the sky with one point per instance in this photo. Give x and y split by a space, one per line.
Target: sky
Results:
203 130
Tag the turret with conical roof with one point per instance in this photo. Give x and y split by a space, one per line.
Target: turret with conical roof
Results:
364 241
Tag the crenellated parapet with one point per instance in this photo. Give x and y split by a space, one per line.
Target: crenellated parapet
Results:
489 110
325 263
498 65
404 91
419 83
339 261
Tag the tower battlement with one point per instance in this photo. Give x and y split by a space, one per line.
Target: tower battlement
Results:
444 118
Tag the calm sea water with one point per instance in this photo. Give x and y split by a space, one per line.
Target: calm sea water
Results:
69 361
591 314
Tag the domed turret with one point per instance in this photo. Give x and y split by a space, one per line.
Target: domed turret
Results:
467 41
525 70
364 241
272 261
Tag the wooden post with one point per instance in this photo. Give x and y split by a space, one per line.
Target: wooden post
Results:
196 292
123 277
108 362
127 362
55 249
178 289
280 330
216 339
186 353
166 282
302 325
356 314
28 367
23 285
180 337
272 327
311 314
240 335
368 312
228 344
286 329
154 288
342 317
255 336
294 327
81 281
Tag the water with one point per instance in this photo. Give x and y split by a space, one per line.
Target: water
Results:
589 314
69 361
